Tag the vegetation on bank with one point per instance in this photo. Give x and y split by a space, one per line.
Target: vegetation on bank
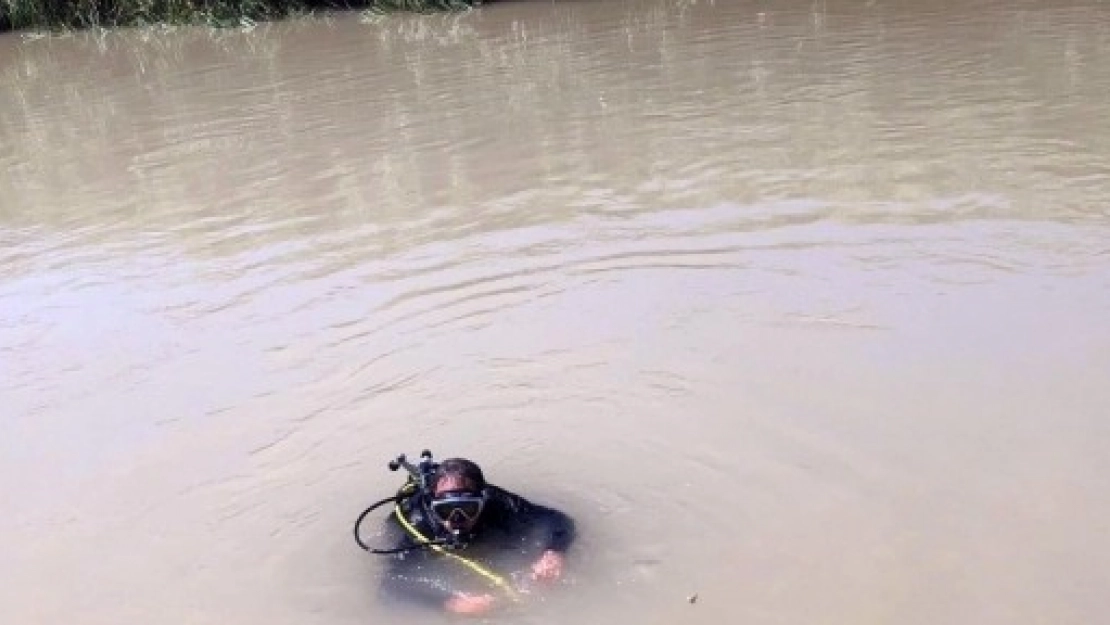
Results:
80 14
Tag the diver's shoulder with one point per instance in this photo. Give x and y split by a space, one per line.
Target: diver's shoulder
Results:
517 503
493 490
497 493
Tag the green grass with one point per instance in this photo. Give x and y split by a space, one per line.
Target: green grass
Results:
81 14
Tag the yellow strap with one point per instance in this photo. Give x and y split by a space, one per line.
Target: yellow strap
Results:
494 578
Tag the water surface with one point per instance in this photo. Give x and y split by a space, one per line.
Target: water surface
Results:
797 306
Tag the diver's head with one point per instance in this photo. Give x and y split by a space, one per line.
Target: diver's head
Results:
459 495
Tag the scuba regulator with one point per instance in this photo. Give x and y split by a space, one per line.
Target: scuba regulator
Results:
419 485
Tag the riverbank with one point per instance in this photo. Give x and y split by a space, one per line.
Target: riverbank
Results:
56 15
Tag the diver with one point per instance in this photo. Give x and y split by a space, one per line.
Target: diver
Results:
464 545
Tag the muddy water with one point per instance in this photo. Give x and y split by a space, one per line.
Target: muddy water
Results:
799 307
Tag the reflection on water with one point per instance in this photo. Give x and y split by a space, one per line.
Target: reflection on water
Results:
797 306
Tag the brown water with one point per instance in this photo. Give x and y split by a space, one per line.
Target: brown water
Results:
802 307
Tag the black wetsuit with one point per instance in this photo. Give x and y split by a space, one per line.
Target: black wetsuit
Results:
510 535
